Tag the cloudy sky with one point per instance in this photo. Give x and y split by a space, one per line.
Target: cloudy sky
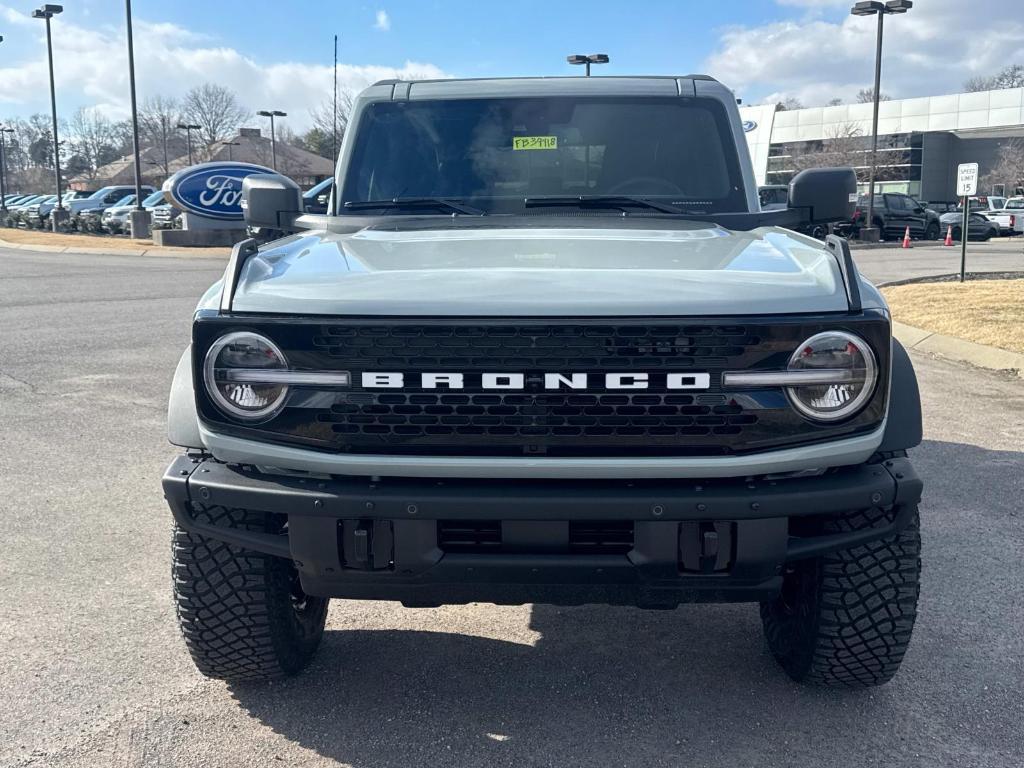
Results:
278 54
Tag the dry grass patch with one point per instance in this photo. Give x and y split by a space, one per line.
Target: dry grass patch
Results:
983 311
42 237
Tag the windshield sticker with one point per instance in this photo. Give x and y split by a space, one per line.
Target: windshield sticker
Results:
534 142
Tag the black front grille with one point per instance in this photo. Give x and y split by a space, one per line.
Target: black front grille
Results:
535 420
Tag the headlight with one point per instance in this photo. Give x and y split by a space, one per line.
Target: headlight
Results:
236 376
848 371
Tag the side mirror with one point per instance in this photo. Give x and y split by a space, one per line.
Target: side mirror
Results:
825 194
270 200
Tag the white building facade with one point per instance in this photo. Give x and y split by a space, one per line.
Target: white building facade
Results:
921 141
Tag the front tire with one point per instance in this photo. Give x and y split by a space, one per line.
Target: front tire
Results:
243 614
932 233
845 619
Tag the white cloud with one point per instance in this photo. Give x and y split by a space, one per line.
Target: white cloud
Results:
383 22
930 50
91 70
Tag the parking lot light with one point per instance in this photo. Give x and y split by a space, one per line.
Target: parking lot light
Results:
870 233
46 13
588 59
188 128
3 169
272 113
229 145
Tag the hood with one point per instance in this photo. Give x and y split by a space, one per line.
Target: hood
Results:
689 269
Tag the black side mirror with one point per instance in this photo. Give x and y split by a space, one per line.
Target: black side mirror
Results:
824 194
270 200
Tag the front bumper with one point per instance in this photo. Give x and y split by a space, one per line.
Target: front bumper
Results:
678 541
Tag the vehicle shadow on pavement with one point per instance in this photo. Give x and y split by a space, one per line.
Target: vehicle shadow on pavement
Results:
694 686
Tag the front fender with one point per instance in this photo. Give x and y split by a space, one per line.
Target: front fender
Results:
903 427
182 420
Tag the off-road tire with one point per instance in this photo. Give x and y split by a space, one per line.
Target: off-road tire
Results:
932 232
242 613
845 619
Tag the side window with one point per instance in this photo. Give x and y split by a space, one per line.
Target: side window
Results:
113 197
894 203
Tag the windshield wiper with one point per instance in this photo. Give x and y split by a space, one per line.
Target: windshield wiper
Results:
398 203
622 202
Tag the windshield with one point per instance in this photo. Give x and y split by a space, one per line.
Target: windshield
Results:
494 153
154 199
126 200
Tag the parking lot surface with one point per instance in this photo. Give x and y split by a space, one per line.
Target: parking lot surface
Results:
890 262
95 674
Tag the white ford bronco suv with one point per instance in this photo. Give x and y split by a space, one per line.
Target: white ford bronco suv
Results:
545 346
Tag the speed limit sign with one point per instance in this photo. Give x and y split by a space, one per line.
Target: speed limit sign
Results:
967 179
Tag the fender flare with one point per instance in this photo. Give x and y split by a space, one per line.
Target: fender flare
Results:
903 428
182 419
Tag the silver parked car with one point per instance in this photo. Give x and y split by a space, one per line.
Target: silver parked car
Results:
545 346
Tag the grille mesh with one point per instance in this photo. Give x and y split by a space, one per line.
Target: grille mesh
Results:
534 418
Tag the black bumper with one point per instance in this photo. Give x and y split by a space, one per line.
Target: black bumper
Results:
651 543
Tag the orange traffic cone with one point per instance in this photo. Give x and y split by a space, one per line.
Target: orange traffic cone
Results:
906 238
949 236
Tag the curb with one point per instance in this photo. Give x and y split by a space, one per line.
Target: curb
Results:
950 277
952 348
85 250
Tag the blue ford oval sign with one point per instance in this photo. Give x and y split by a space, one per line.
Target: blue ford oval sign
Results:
213 190
749 125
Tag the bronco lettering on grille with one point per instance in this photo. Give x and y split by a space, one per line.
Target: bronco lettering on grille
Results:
547 381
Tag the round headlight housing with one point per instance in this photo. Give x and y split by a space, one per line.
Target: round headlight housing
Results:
239 376
847 369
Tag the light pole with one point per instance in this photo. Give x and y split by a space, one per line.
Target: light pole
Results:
272 113
588 59
139 217
46 13
867 8
229 145
188 128
3 170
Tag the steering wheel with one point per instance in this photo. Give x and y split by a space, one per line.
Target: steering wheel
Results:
645 185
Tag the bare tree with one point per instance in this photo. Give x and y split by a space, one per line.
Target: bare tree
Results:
788 103
216 110
94 139
1010 77
1008 169
327 138
158 120
867 96
834 102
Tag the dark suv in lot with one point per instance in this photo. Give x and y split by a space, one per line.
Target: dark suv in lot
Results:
892 215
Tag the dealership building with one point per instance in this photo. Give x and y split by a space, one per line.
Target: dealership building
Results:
920 141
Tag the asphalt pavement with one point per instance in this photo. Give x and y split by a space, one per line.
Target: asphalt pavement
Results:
94 672
890 262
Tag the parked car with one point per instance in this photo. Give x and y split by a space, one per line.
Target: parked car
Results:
1014 204
893 213
166 216
102 199
941 207
37 214
979 227
115 216
315 199
986 203
622 411
16 212
150 204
